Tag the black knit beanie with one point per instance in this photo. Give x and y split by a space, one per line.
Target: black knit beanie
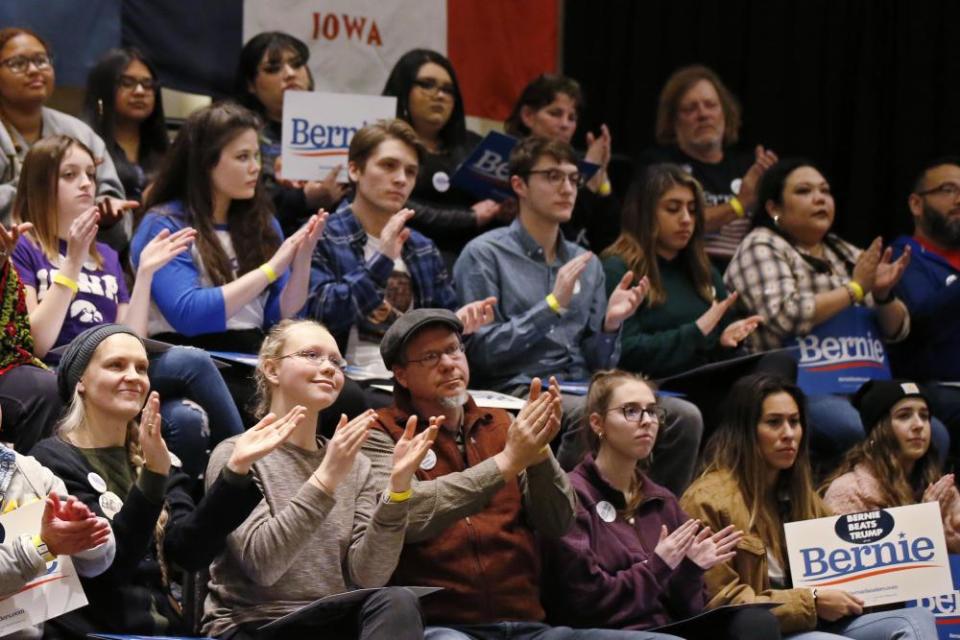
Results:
77 356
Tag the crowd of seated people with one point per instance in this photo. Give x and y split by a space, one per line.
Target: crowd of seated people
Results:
349 453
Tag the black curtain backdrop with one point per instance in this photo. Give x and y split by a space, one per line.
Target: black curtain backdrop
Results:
867 89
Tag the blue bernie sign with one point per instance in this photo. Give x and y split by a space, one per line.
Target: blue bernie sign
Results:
946 607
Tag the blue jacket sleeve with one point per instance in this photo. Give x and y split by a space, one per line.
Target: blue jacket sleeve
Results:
601 349
191 309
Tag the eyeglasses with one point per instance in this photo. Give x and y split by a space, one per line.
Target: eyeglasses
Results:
131 82
20 64
277 65
316 358
950 189
432 86
634 412
432 359
555 177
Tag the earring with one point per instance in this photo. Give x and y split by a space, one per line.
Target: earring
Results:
600 435
100 107
776 219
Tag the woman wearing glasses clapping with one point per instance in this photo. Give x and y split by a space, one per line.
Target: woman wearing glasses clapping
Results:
26 83
633 559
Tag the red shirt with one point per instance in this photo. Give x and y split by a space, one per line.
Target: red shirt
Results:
950 255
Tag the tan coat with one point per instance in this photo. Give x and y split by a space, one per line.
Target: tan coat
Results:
716 500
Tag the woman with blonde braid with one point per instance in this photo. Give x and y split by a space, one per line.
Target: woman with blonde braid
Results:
122 470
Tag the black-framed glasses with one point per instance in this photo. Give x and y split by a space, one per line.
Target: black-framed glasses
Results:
951 189
432 358
20 64
555 177
633 412
131 82
432 86
316 358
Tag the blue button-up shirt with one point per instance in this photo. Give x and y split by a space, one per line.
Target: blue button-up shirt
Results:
527 338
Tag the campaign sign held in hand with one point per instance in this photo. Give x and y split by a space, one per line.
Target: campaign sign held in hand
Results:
882 556
52 593
839 355
486 172
318 128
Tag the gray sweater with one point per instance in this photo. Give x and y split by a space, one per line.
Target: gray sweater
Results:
299 544
19 561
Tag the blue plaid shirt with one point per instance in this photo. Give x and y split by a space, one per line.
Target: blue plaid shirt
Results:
345 288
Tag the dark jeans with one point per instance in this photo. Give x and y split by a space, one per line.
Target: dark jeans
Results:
195 405
30 404
393 613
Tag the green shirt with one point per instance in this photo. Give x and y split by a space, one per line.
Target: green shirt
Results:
664 339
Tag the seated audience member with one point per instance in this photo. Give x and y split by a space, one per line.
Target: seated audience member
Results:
633 559
370 268
122 471
684 322
488 490
896 465
326 523
429 100
26 83
797 275
549 107
272 63
29 401
931 352
124 107
698 122
67 528
757 477
72 282
552 316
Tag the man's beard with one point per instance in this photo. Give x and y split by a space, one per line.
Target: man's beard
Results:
941 228
455 401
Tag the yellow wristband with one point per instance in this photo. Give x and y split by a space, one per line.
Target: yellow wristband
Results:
403 496
605 188
856 290
269 272
554 304
42 549
737 207
69 283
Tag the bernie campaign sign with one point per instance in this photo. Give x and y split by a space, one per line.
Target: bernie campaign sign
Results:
318 128
946 606
881 556
839 355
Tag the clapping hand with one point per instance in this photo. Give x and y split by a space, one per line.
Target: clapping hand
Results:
410 451
673 547
712 316
709 549
9 237
624 301
262 438
155 454
342 450
476 314
890 271
65 532
163 248
737 332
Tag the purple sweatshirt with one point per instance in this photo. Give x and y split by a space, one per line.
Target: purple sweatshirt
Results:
605 574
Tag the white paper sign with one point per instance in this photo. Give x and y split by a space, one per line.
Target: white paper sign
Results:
318 128
353 43
883 556
49 595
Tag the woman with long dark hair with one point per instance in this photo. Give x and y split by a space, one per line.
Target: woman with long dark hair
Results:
429 99
896 464
270 64
684 321
757 477
124 107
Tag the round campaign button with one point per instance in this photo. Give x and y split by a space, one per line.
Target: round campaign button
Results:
174 460
606 511
110 504
441 181
98 483
735 185
429 461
